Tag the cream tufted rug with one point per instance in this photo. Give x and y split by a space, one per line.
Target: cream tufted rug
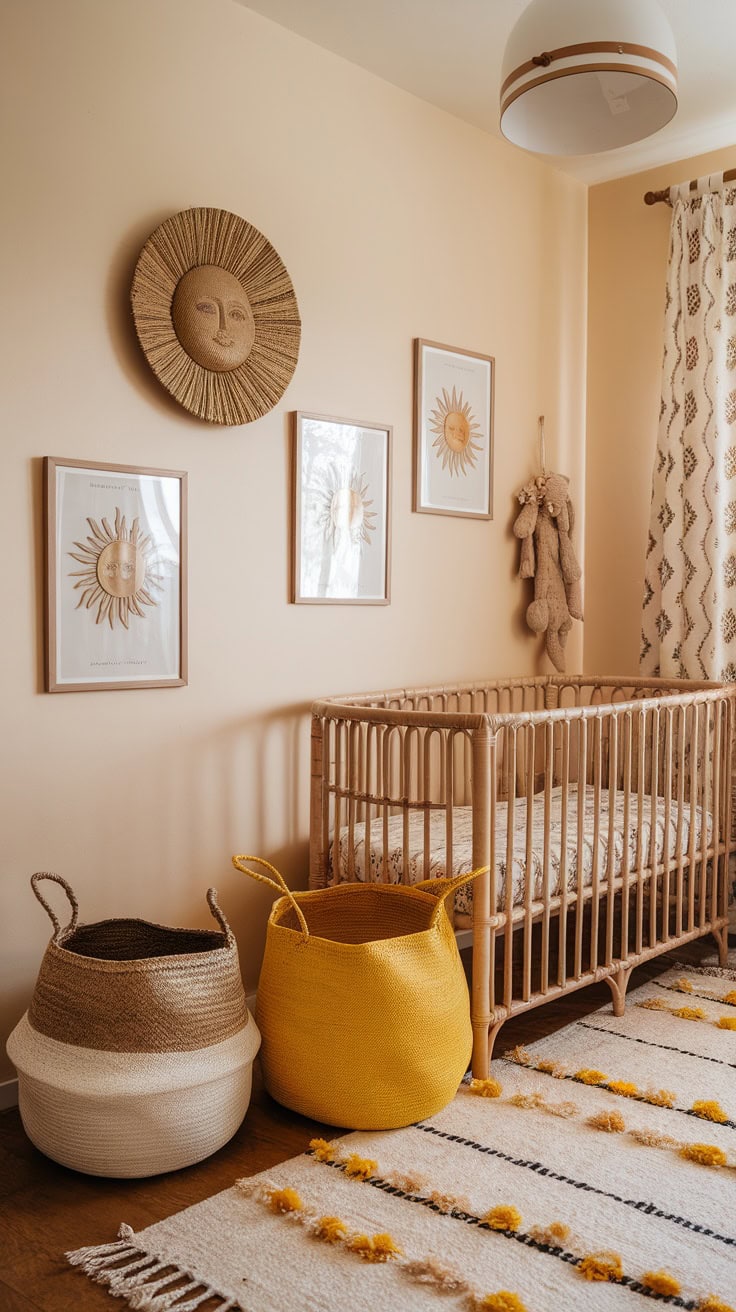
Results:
596 1172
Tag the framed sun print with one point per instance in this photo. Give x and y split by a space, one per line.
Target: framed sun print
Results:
342 511
453 431
116 596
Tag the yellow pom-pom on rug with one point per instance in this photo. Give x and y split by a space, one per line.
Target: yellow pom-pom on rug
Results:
330 1229
710 1111
360 1168
586 1076
601 1266
611 1122
660 1097
502 1301
661 1282
381 1248
503 1217
554 1235
624 1088
706 1154
322 1150
486 1088
285 1200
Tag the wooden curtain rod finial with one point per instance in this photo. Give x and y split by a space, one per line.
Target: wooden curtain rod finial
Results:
655 197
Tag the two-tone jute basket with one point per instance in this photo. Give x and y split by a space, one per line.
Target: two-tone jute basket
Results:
136 1053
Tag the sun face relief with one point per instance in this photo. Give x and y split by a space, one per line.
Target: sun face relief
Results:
118 575
456 431
121 569
212 318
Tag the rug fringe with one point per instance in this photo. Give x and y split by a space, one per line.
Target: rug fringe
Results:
127 1270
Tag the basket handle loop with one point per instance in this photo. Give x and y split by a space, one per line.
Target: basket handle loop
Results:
219 916
441 888
279 883
57 879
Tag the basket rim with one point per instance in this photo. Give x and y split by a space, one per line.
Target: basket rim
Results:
169 961
283 904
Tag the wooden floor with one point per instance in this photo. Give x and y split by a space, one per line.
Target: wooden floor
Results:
46 1209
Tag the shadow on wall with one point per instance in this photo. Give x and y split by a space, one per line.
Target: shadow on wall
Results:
250 780
183 808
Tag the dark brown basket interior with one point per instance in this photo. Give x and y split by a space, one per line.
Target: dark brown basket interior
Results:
131 940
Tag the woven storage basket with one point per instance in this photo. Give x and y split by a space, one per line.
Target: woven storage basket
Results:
135 1056
362 1001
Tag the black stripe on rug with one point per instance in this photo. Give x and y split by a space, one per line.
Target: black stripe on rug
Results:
649 1043
638 1204
691 993
468 1218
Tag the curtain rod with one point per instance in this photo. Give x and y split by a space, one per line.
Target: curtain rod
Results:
654 197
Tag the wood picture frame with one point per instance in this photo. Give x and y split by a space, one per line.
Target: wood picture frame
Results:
341 523
453 430
116 576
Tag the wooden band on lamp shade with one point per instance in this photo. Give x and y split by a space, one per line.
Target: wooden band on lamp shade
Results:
583 76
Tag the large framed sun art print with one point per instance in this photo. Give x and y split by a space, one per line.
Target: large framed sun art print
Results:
453 431
116 596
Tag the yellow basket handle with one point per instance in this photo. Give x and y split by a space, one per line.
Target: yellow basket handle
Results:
279 883
441 888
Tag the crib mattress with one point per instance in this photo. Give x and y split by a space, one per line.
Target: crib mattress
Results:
435 867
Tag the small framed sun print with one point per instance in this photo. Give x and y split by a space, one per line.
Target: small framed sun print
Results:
342 511
453 431
116 596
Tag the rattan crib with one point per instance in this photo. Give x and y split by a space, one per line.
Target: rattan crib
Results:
601 806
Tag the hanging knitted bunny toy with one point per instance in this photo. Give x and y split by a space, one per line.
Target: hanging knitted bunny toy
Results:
544 524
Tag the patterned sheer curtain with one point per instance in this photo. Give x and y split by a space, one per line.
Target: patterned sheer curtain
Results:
689 613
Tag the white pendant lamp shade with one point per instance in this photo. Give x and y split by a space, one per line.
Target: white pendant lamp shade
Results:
582 76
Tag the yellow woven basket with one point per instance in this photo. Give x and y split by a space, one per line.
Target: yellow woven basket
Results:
362 1001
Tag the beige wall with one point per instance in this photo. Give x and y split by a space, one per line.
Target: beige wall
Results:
628 250
395 221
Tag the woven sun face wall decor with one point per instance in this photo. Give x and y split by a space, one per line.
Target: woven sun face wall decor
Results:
216 315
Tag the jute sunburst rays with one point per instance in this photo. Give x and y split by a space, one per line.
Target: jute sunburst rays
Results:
229 359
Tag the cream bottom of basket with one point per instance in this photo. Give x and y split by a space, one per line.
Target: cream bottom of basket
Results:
133 1136
131 1114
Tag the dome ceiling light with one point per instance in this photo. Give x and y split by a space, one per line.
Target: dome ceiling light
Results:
582 76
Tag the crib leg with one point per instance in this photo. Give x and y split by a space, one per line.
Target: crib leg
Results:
484 1037
618 984
721 938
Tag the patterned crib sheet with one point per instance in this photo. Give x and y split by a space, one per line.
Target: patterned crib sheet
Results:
462 844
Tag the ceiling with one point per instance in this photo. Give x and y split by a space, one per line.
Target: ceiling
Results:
449 53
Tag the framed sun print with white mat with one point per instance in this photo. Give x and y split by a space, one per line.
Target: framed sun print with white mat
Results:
453 431
341 511
116 596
